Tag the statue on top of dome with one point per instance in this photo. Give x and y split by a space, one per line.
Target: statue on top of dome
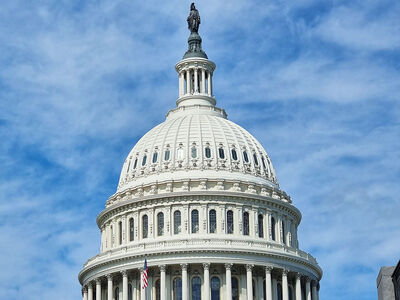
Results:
193 19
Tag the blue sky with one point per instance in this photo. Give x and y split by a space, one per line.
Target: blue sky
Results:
317 82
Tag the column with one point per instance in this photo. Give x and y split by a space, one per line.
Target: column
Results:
98 289
187 81
109 287
85 295
181 82
268 282
228 281
308 292
142 290
207 293
314 290
298 286
249 286
196 81
124 285
163 291
209 84
285 287
184 282
203 81
90 291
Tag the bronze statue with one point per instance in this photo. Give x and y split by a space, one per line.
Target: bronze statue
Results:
193 19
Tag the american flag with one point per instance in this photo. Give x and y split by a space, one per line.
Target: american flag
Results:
144 276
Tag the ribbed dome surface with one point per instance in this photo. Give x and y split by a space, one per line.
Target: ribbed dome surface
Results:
194 146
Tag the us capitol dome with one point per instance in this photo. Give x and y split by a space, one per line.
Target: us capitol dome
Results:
198 197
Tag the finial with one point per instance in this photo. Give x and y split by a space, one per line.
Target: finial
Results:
193 19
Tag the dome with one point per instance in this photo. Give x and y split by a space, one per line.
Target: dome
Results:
197 144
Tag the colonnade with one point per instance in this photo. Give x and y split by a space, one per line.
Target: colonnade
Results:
198 81
271 284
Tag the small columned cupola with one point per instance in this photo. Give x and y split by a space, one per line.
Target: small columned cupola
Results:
195 70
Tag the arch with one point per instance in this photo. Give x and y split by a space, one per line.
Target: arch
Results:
158 290
177 222
195 221
155 156
235 288
260 226
246 226
215 288
177 288
116 293
196 288
120 232
130 297
279 291
213 221
144 160
207 152
131 229
160 224
145 226
229 222
273 237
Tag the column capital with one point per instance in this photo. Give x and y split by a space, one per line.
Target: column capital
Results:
90 284
163 268
228 266
109 277
249 267
98 280
298 275
124 273
308 279
314 283
206 266
268 269
184 267
285 272
84 289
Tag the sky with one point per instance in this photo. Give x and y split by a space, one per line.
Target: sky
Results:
317 82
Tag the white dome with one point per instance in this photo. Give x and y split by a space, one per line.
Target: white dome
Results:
176 149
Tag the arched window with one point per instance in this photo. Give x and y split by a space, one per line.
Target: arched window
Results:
260 226
263 163
131 229
213 221
283 233
196 288
116 293
145 225
135 164
129 165
246 226
255 159
215 288
273 228
221 153
177 222
290 293
166 154
112 235
207 151
158 296
129 291
279 291
144 160
229 222
245 156
155 156
120 232
180 154
194 152
195 221
234 154
160 224
177 288
235 289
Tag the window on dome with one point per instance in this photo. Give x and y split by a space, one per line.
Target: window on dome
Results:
194 152
283 233
135 164
260 226
131 229
246 223
160 224
234 154
166 154
255 159
177 288
196 288
235 289
116 293
263 163
158 289
144 160
229 222
195 221
208 152
145 224
245 156
129 165
177 222
112 235
180 154
273 229
129 291
221 153
213 221
120 232
215 288
155 155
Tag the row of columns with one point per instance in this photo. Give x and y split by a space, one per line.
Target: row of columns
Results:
311 292
187 74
